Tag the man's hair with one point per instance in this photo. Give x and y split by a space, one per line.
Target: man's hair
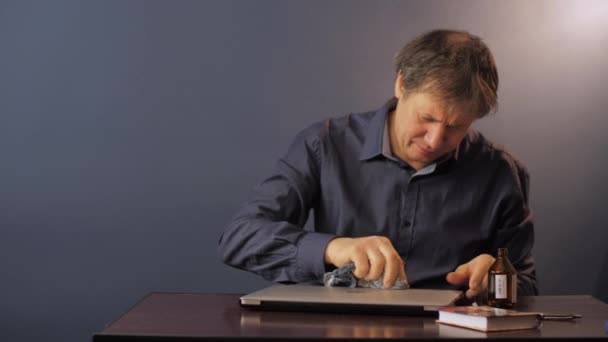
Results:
455 66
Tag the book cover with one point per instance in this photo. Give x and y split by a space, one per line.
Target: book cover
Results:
485 318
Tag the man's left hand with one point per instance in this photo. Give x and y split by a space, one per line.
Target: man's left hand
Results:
475 273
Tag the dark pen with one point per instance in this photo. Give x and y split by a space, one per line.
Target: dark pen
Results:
559 316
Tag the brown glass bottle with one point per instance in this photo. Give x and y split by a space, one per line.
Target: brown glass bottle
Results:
502 281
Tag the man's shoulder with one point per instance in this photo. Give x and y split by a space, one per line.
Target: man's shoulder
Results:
351 123
478 148
493 161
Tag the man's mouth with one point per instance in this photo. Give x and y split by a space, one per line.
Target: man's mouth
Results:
425 152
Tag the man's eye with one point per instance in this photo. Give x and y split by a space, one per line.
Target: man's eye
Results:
455 127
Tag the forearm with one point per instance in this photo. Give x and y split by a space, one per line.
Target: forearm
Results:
526 278
267 235
277 251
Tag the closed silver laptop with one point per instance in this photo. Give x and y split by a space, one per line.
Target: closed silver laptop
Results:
350 300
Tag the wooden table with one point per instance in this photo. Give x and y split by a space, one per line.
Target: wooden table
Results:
191 317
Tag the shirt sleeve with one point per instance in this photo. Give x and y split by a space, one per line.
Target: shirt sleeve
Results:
516 227
266 236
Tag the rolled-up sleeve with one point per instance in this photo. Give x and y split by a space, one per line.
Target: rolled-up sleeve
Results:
266 236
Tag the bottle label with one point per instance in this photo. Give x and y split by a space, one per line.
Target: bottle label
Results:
501 286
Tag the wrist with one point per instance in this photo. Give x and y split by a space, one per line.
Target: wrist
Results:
333 249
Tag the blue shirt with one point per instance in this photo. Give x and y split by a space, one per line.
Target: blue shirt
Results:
342 169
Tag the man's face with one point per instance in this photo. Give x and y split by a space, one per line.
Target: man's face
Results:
422 130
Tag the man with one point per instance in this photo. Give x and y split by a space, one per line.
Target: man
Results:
407 191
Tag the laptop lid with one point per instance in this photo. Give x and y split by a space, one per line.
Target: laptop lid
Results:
350 300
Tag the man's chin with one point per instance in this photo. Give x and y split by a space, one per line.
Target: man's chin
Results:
427 159
423 161
424 156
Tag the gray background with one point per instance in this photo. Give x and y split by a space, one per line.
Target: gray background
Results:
130 132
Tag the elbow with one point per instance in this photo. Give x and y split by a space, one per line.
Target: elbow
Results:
230 245
224 252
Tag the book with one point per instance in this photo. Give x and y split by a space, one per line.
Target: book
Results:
486 318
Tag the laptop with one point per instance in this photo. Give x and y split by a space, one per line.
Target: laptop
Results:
350 300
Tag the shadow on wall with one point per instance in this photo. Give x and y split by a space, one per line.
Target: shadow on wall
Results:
601 290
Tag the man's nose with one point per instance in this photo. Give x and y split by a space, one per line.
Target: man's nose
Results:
435 136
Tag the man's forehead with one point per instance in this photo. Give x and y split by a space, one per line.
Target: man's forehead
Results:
449 111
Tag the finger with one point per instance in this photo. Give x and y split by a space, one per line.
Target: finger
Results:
484 283
471 294
377 264
400 274
361 265
460 276
455 278
479 270
463 269
403 275
393 266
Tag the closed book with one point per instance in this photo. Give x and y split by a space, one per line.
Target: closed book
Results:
485 318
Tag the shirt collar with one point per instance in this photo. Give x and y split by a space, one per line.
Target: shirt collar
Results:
375 135
377 141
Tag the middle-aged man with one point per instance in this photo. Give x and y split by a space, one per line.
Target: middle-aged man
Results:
408 191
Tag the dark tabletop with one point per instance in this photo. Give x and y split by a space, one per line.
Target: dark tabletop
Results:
183 316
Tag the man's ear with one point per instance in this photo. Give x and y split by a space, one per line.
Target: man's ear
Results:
399 86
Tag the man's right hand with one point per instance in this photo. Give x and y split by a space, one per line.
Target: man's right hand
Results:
372 256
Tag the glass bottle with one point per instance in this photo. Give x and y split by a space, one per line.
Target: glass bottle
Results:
502 281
